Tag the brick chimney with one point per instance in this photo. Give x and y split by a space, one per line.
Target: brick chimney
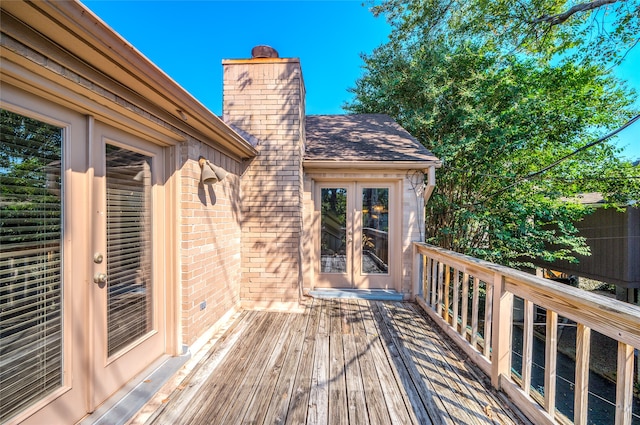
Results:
264 96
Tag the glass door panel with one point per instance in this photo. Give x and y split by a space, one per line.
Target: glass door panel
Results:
375 231
129 295
31 341
333 234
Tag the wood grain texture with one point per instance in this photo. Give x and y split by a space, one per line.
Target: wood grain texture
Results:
583 345
339 362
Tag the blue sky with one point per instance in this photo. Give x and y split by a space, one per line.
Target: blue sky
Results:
189 39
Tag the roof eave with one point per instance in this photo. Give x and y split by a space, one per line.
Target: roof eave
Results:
86 36
370 165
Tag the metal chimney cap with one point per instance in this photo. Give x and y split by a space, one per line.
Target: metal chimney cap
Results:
264 52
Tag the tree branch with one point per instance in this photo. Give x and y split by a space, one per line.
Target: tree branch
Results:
562 17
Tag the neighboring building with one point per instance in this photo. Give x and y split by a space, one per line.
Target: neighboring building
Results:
614 240
115 256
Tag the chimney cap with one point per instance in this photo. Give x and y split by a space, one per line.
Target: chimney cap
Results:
264 51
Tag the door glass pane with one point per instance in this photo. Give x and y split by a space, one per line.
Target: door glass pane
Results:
129 302
30 262
375 230
333 237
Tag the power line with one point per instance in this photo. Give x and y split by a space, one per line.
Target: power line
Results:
555 163
565 179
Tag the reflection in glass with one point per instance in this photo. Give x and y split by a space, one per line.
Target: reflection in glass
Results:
30 261
375 230
128 246
333 235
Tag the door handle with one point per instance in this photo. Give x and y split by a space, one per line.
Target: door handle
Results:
100 278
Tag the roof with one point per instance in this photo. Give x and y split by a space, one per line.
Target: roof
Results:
589 198
362 137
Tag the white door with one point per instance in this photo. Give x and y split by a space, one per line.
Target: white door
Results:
127 318
357 235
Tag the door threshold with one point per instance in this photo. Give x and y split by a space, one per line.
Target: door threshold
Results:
121 407
362 294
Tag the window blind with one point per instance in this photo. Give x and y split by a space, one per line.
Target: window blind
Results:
128 246
31 345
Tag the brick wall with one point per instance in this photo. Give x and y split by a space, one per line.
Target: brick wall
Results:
209 244
265 97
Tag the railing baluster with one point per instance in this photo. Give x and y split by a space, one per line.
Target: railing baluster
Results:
474 312
465 305
527 346
440 284
426 263
616 320
447 283
488 317
624 386
456 296
434 282
550 360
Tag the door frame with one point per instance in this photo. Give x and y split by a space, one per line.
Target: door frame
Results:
113 372
354 278
70 399
75 398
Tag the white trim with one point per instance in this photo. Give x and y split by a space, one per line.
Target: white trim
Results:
354 166
86 39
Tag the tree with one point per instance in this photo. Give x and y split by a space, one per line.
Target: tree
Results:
495 118
598 30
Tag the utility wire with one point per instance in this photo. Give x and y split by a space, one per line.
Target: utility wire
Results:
555 163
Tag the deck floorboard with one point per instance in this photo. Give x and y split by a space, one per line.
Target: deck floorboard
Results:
340 362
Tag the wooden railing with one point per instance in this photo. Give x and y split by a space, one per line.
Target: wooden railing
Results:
473 301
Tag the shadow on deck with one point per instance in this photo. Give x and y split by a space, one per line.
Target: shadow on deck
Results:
341 362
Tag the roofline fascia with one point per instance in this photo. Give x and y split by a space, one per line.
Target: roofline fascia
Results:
161 89
370 165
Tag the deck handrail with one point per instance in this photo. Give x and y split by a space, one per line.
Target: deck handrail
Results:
444 284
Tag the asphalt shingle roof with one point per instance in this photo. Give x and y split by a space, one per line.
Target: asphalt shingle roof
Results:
361 137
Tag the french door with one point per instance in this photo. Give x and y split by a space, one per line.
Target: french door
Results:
82 290
127 284
357 235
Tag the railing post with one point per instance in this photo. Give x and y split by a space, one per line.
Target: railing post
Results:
416 272
581 391
624 387
502 323
550 362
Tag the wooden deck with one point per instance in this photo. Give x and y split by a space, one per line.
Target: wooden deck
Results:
341 362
